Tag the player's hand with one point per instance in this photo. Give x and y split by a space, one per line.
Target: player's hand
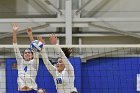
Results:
29 31
15 27
53 39
41 39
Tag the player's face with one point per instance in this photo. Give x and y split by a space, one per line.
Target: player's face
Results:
60 65
27 55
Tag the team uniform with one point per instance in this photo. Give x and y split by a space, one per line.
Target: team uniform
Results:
64 81
27 71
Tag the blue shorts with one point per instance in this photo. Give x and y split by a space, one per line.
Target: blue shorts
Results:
31 91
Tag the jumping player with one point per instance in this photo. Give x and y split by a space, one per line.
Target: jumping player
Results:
62 72
27 66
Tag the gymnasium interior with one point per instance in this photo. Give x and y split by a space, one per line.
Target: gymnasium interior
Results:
103 35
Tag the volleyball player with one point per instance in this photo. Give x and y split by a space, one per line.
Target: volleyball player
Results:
62 72
27 65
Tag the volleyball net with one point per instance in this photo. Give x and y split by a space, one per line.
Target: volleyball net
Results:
98 68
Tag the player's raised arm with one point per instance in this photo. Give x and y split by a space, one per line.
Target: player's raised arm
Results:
45 58
15 28
68 65
30 35
35 54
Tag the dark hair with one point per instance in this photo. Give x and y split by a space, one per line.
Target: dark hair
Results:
73 92
67 52
56 61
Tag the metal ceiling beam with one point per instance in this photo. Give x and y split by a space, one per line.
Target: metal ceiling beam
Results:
82 7
44 6
32 20
62 20
76 22
39 4
126 19
97 8
58 10
58 20
64 25
75 35
116 30
68 24
23 31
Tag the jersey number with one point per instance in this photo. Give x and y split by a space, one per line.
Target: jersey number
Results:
59 81
25 69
